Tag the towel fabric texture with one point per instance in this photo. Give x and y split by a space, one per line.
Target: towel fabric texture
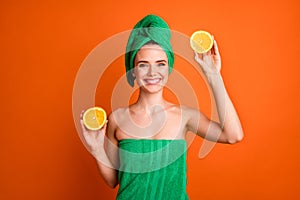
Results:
152 170
151 28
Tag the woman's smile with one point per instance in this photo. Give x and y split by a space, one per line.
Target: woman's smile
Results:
152 81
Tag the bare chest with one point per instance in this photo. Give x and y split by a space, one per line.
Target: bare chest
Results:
164 125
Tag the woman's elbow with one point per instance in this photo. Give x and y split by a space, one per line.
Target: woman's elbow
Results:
110 179
238 137
112 184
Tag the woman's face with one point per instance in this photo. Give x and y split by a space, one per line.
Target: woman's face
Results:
151 68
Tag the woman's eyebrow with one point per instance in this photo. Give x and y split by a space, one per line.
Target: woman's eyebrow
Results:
160 61
145 61
142 61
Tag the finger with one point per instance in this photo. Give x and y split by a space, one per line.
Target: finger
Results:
81 114
104 127
200 61
81 120
216 49
213 47
213 51
208 53
196 55
197 58
82 125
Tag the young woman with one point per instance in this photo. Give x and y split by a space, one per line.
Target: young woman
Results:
145 142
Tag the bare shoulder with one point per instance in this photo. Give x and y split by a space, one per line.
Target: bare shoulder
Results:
181 110
116 113
192 114
188 111
117 116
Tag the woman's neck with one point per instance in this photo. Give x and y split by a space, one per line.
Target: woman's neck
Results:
148 101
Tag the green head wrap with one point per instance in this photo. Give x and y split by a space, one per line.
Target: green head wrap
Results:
150 29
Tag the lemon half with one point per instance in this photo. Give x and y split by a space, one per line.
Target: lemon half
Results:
201 41
94 118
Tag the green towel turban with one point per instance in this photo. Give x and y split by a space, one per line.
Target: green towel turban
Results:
150 29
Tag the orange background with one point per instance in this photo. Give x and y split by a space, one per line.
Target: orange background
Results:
43 44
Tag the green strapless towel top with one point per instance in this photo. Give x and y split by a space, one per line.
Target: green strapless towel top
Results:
152 170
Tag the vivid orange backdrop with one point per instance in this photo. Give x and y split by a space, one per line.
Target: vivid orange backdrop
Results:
43 44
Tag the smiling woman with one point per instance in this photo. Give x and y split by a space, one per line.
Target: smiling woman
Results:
151 71
145 143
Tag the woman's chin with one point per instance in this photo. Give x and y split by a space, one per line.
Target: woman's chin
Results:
152 88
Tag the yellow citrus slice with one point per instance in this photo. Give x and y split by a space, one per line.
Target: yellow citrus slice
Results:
94 118
201 41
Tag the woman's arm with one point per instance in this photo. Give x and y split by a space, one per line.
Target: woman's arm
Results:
228 129
95 141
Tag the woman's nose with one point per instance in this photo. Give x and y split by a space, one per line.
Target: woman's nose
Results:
151 70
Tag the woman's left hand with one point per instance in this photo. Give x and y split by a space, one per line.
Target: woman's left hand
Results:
210 61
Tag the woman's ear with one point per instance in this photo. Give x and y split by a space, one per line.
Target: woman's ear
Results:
133 75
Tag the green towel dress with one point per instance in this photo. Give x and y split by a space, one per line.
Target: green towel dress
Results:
152 170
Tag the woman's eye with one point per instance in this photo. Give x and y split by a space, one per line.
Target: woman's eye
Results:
142 65
161 64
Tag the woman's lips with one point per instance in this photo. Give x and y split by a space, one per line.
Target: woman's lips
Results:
152 81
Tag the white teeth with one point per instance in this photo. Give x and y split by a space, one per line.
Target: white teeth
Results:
152 81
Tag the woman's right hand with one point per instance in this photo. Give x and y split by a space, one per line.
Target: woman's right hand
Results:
94 139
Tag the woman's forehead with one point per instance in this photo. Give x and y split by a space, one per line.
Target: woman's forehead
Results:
151 46
151 51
